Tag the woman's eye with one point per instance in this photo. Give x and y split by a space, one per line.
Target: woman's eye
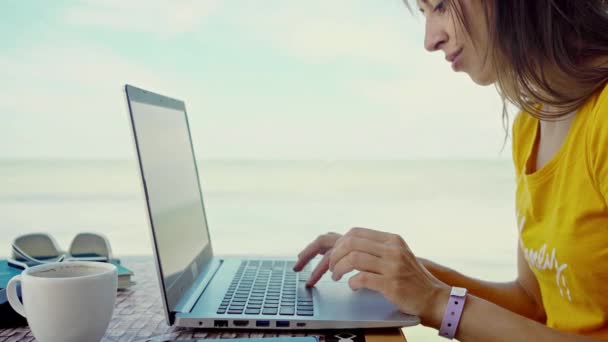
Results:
440 8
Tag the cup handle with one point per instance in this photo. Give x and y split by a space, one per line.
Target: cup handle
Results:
11 294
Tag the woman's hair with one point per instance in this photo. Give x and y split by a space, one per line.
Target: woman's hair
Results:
552 52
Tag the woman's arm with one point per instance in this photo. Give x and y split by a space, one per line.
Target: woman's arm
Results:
521 296
387 265
485 321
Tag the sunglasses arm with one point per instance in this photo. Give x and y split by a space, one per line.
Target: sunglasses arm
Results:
29 258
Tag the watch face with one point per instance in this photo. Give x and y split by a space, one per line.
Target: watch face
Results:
458 292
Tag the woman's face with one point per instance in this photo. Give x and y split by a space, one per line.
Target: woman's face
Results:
445 32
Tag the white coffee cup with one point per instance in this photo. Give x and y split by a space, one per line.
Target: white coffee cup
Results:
66 301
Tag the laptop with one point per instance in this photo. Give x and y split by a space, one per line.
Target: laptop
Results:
200 289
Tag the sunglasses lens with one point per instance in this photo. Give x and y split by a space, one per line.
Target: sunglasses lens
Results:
39 246
90 246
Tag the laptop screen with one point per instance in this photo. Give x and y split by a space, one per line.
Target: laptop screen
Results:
171 186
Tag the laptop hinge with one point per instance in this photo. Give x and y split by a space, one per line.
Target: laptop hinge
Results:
189 299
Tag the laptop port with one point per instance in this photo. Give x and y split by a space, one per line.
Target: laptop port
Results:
282 324
240 323
262 323
220 323
301 324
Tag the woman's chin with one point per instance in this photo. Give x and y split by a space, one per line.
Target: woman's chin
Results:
482 80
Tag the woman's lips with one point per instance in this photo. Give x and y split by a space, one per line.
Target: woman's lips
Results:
456 59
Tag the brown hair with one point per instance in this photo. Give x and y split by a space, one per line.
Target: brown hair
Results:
552 52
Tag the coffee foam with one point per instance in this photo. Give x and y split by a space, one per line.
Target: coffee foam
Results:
68 271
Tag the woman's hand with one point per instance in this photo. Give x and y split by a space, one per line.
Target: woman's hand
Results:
321 245
387 265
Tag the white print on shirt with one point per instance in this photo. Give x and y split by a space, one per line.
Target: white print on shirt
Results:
542 260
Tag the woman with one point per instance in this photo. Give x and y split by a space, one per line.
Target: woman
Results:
550 58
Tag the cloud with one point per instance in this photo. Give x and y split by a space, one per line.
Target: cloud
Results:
390 99
417 100
163 18
45 71
319 31
66 100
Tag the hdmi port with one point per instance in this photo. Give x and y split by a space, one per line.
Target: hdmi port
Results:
240 323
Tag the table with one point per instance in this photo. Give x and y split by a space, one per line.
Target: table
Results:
138 315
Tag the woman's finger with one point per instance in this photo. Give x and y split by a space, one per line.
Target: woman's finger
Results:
319 271
319 246
367 280
370 234
359 261
347 244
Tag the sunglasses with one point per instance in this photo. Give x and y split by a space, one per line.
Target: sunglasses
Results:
40 248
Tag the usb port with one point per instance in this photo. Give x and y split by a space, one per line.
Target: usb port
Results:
240 323
220 323
301 324
282 324
262 323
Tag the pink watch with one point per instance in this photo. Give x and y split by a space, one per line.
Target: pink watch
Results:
453 312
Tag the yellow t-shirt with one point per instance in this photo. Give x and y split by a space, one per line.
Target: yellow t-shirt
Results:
562 213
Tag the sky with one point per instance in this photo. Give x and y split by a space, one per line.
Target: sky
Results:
273 79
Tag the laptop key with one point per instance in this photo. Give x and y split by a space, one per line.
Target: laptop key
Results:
269 305
304 313
287 310
235 311
269 311
252 311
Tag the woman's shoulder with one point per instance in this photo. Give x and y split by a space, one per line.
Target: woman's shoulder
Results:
596 111
598 103
597 138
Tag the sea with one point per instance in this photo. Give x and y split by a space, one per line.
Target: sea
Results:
459 213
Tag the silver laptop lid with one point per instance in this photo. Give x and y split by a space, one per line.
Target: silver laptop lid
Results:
182 245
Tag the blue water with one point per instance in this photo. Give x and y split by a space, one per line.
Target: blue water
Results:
460 213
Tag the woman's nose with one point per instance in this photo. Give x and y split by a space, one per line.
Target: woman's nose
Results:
434 36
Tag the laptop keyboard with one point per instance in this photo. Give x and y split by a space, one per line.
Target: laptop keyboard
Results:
268 287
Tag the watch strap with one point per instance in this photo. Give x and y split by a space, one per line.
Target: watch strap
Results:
453 311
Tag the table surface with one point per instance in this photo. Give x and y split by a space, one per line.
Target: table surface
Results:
138 316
